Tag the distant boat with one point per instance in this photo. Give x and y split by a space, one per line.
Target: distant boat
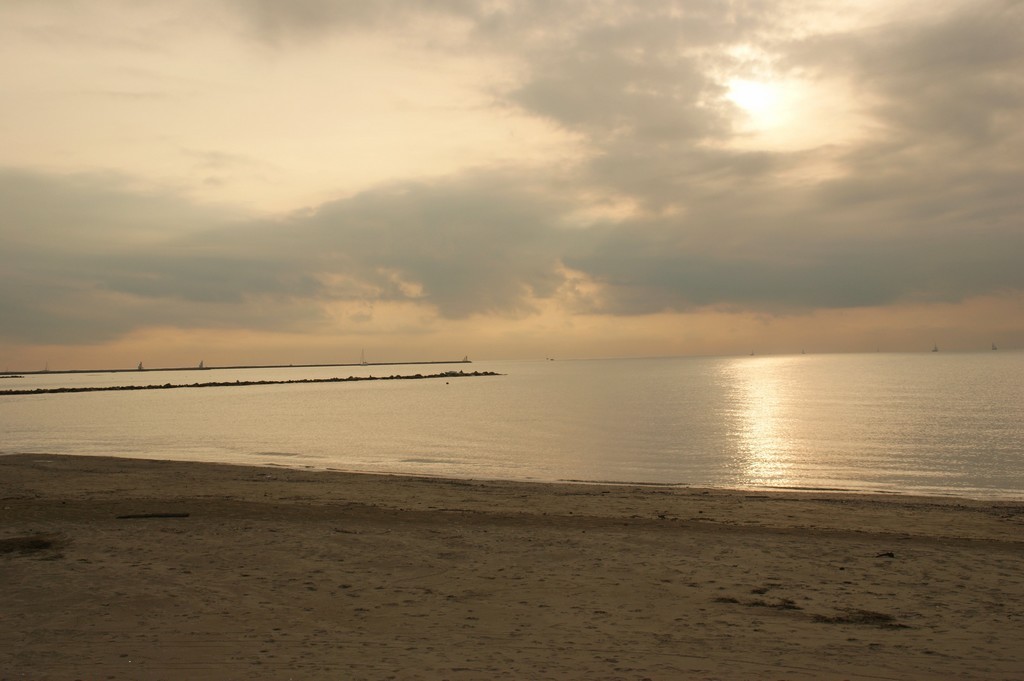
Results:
201 364
994 347
362 357
466 358
935 348
140 366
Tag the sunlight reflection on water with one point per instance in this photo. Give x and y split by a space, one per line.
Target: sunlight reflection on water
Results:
765 444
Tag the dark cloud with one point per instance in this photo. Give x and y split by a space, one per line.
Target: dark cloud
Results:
88 258
960 78
485 244
780 273
614 85
955 76
282 23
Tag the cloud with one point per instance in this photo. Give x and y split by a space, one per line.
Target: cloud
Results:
483 244
489 244
956 76
670 208
298 21
88 258
789 273
922 207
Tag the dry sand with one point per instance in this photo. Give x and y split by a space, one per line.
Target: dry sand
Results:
282 574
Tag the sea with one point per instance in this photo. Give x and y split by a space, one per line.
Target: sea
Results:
945 423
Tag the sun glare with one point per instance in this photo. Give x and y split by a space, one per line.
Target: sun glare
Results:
758 99
788 113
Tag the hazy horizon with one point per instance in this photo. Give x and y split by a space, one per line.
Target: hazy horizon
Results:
252 182
414 361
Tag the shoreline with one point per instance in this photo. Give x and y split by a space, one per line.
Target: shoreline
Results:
104 460
1005 497
229 571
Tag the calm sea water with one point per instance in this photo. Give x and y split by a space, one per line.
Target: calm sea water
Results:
936 423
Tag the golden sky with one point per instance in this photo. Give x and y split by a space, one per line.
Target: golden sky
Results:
257 181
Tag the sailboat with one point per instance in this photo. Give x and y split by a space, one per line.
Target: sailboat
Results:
935 348
362 357
994 347
201 364
140 366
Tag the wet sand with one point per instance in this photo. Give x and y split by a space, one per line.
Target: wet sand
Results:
226 572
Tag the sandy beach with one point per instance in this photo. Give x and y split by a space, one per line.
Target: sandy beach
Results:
130 569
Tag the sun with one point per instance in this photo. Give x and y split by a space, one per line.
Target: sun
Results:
760 100
787 111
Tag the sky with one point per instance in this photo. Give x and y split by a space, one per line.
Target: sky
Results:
253 181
